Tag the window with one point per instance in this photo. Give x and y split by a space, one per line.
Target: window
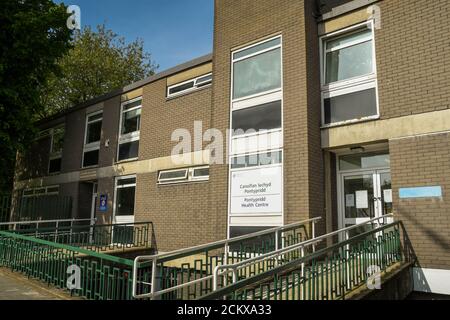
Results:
262 117
190 85
183 175
371 160
51 190
125 196
130 124
56 149
349 83
256 160
92 138
257 69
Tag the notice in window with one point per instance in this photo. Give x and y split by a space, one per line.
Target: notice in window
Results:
350 200
387 196
362 199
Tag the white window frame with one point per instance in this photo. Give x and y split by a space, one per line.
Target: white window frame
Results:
352 85
132 136
233 61
188 177
55 155
94 146
248 102
34 192
43 134
256 166
195 86
258 98
124 219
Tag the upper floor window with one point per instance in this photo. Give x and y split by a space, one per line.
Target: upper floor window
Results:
349 83
92 139
56 149
257 69
190 85
130 124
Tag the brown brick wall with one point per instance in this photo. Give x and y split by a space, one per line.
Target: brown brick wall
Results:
110 131
161 116
413 57
73 141
180 213
416 162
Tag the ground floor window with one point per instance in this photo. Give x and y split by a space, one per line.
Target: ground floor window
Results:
124 199
194 174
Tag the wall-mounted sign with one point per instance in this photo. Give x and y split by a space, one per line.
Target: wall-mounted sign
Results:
257 191
420 192
103 207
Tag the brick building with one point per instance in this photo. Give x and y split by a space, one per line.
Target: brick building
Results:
350 108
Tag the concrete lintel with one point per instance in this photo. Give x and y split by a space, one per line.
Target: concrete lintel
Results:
384 130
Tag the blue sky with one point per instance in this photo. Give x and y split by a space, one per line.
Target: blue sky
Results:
174 31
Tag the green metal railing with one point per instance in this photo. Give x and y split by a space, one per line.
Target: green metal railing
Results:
103 277
331 273
94 237
188 273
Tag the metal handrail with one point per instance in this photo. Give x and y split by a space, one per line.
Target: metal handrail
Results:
239 265
218 244
293 264
44 221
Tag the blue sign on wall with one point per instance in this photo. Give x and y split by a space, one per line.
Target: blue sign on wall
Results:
103 203
420 192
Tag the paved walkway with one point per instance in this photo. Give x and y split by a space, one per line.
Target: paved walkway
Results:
14 286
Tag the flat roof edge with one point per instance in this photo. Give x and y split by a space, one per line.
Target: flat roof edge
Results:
163 74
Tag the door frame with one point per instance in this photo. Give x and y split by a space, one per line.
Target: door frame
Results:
341 174
94 200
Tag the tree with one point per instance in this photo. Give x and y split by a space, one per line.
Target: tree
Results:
98 63
33 35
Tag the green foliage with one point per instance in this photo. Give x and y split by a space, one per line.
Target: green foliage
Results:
99 62
33 35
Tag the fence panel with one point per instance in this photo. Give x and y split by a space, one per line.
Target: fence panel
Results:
102 277
43 208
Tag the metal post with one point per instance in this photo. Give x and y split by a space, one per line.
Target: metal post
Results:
71 230
303 272
313 234
153 285
215 274
226 251
276 246
56 232
234 275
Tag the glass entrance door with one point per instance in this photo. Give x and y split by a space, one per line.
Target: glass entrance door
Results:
363 196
